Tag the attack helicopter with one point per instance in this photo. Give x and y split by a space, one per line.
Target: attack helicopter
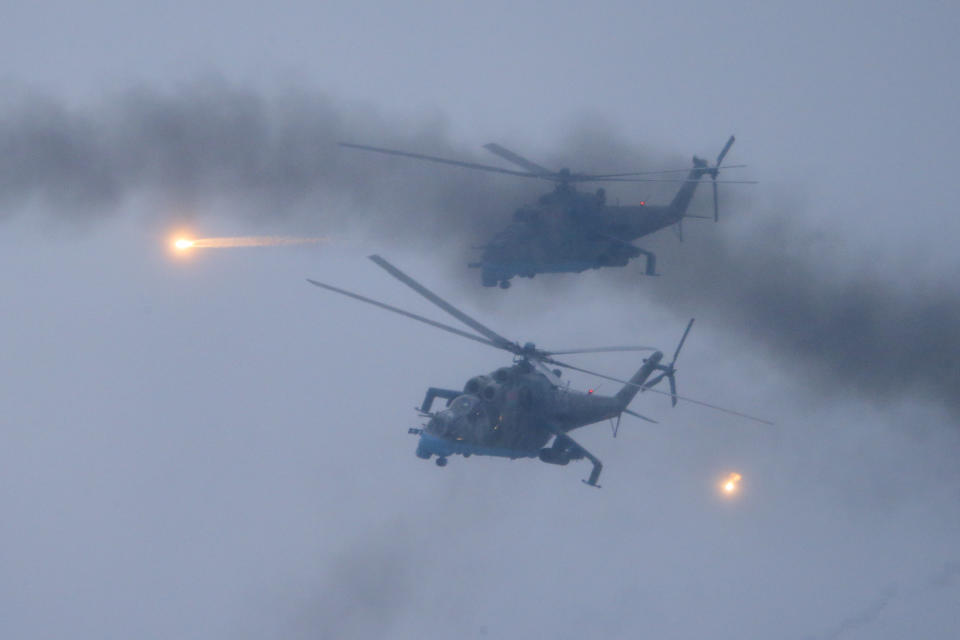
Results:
515 411
571 231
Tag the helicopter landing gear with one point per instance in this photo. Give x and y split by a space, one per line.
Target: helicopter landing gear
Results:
441 461
565 449
504 284
651 262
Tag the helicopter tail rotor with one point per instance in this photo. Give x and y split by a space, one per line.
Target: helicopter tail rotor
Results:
714 171
669 371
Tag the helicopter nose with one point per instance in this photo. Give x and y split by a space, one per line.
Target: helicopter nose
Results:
439 424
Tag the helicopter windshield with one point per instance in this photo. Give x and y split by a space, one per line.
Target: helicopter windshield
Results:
463 405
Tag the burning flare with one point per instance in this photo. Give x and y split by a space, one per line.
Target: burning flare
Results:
182 244
731 483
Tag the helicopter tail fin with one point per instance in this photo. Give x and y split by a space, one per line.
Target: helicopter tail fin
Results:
682 200
629 390
700 169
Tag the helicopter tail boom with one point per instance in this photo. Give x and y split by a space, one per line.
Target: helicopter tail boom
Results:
682 200
629 390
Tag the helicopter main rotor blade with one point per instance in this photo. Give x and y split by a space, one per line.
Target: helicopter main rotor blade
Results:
495 338
458 163
665 393
648 173
516 159
596 350
660 180
382 305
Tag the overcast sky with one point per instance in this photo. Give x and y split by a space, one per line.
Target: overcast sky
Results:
211 448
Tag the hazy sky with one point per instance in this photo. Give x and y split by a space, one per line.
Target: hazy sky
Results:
211 448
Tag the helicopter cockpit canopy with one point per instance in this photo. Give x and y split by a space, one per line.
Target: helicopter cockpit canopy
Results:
462 405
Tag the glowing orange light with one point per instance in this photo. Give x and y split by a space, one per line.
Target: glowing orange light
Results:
182 244
731 483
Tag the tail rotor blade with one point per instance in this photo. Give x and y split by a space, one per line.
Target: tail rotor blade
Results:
726 148
716 207
653 383
673 390
716 167
682 340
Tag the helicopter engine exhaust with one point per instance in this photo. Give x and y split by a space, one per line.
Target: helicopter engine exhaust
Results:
491 391
476 383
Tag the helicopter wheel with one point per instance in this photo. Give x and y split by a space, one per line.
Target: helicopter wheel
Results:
504 284
441 461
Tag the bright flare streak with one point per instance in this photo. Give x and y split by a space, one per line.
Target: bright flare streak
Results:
243 241
731 484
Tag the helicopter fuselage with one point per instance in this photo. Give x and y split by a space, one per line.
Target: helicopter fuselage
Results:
569 231
514 411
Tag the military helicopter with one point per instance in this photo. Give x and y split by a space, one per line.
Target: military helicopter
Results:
515 411
571 231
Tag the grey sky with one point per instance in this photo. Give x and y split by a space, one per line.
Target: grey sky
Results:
212 448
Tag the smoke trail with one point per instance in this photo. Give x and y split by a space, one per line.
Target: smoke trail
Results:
944 578
844 325
243 241
864 617
274 158
847 329
269 157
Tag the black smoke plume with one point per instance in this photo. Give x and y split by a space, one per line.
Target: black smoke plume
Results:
273 158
